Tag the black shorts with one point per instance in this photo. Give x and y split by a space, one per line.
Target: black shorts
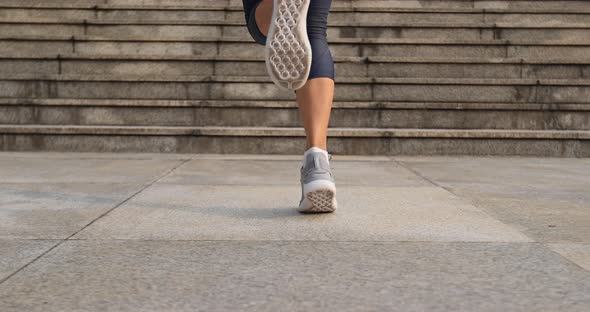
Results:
322 64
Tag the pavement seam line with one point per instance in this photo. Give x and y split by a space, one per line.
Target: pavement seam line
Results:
466 199
160 240
416 172
548 247
106 156
30 262
145 186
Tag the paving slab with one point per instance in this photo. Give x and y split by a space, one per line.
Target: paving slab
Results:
336 157
14 254
297 276
546 198
70 170
577 253
55 210
265 212
39 170
286 172
90 155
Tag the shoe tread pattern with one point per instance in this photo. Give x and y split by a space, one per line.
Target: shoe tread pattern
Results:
288 54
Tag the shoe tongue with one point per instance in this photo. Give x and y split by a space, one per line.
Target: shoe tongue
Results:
316 163
315 149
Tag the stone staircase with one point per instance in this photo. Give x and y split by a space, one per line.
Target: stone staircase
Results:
413 77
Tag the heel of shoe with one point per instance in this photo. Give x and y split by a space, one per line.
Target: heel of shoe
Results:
319 196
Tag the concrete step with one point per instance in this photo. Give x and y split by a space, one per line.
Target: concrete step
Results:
128 29
488 4
238 47
434 115
275 140
402 67
338 14
413 77
261 88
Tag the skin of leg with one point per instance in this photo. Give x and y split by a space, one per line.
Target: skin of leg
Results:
263 15
315 104
314 99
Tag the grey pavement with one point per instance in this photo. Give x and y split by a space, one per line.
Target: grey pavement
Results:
548 199
188 232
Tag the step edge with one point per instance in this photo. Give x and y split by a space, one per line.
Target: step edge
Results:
298 132
102 22
356 9
376 41
337 59
81 103
264 79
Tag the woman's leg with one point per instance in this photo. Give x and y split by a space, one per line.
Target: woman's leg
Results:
258 14
315 103
315 97
263 15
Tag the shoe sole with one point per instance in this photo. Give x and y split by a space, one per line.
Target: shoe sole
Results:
288 51
320 196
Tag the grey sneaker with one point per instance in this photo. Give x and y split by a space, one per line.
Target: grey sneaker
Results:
318 188
288 50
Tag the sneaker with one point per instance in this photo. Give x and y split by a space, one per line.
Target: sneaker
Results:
288 51
318 189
